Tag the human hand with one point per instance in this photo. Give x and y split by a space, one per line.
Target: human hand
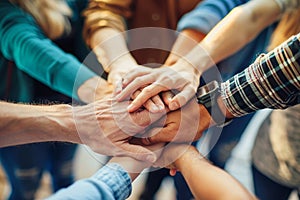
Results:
118 71
93 89
106 127
104 90
184 125
154 81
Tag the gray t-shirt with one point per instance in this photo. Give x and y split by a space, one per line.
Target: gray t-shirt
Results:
276 151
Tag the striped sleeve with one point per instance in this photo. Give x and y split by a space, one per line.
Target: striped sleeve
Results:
272 81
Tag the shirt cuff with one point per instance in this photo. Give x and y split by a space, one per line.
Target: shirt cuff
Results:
117 179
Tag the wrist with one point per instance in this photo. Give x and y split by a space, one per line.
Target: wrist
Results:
224 109
191 73
123 63
59 118
183 65
87 91
206 120
208 95
187 158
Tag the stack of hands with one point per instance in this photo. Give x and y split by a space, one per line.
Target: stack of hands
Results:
146 107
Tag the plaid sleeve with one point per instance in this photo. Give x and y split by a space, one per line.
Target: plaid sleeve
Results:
272 81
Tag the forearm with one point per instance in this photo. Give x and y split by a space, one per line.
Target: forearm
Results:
22 124
223 40
88 91
272 81
186 40
111 49
207 181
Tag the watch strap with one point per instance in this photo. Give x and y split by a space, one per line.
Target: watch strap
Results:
209 101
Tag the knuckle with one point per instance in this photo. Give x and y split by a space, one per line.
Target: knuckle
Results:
138 80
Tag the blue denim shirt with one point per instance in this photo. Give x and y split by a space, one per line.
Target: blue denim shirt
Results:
111 182
206 15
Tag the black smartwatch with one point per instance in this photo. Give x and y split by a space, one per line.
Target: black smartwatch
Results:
207 95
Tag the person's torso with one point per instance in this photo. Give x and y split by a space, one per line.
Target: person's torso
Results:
276 151
16 85
152 45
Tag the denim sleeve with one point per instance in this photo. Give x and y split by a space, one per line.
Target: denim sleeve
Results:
111 182
23 42
207 14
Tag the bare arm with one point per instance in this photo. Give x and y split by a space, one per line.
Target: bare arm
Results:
111 49
205 180
186 40
106 127
208 181
21 124
238 28
104 33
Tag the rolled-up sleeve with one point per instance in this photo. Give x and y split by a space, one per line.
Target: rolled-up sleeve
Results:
207 14
105 13
272 81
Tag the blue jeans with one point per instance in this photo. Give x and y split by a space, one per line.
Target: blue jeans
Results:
267 189
25 164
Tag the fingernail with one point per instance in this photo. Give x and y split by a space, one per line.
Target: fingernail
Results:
174 105
161 106
154 108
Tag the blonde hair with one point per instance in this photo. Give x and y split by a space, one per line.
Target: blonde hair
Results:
51 15
288 25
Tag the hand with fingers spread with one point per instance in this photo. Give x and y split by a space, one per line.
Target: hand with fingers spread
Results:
106 126
179 78
183 125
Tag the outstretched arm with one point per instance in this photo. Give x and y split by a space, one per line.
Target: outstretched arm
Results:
231 34
105 126
272 81
113 181
221 42
104 33
22 124
205 180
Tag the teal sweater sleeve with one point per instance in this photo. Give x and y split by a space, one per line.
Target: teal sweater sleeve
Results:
23 41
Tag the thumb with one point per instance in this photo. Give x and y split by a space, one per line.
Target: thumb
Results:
139 152
182 98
